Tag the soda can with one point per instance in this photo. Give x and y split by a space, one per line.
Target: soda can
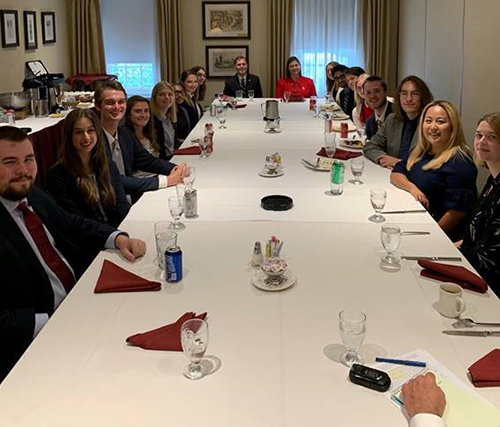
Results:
173 264
191 203
337 179
344 128
312 104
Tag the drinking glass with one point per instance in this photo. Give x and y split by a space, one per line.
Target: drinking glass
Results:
239 95
189 177
220 95
251 94
176 207
221 115
286 96
378 198
194 340
361 133
204 148
357 168
164 239
390 234
330 144
352 325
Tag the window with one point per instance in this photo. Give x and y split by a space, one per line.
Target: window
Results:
130 43
324 31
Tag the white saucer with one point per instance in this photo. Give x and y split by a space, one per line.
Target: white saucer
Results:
258 280
266 174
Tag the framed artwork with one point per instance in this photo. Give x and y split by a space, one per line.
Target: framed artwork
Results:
223 20
10 28
48 27
30 36
220 60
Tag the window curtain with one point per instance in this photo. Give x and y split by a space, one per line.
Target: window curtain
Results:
380 39
324 31
85 28
279 15
170 39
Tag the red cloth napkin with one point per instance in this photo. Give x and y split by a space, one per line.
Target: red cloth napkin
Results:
188 151
240 105
453 273
165 338
340 154
116 279
486 371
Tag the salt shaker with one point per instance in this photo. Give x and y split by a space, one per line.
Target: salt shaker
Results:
257 257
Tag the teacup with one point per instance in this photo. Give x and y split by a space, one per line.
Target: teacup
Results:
450 302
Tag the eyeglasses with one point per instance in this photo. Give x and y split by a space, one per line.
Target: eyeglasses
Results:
178 92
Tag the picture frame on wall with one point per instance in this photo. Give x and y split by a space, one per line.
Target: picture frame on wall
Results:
30 35
9 28
226 20
220 60
48 27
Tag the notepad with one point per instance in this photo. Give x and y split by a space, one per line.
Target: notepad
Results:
464 406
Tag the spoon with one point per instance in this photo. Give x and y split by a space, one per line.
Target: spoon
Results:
469 323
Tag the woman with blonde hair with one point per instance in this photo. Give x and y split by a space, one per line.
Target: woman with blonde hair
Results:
84 181
481 243
439 172
362 111
164 117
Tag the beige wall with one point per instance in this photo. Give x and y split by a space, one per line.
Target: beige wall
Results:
56 57
194 45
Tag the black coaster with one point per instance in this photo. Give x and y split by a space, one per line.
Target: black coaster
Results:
276 203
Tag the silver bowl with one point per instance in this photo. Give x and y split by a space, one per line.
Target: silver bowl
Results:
15 100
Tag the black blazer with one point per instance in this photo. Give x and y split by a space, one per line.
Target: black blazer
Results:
182 127
371 123
136 157
347 102
62 184
232 84
194 118
25 287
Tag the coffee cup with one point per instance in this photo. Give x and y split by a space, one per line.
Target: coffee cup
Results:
450 302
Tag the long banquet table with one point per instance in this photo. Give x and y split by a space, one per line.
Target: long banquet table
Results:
271 356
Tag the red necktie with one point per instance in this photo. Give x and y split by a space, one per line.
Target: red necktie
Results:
50 256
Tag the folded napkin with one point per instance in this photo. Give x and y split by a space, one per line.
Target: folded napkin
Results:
486 371
188 151
453 273
165 338
116 279
340 154
240 105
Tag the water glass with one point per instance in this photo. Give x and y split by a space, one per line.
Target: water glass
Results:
239 95
189 177
352 325
390 234
204 143
164 240
361 130
378 198
221 115
330 143
357 168
194 340
286 96
176 207
251 94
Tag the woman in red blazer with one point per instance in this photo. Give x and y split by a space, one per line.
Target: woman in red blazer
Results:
294 82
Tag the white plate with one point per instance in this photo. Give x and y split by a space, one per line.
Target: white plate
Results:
258 280
340 116
350 127
266 174
352 147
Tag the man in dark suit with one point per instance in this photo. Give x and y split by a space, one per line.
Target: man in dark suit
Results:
43 249
242 80
376 97
126 150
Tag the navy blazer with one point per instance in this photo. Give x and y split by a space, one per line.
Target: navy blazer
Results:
371 123
25 288
232 84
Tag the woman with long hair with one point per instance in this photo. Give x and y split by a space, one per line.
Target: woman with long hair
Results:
481 243
439 172
189 82
183 123
201 74
331 84
362 111
164 117
84 181
298 85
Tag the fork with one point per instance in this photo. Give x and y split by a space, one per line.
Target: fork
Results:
467 322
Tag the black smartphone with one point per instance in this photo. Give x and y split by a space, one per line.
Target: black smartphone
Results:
369 377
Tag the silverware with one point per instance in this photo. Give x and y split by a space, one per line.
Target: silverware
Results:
404 212
432 258
308 163
473 333
469 323
415 233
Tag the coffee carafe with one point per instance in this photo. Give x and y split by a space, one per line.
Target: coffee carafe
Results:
271 111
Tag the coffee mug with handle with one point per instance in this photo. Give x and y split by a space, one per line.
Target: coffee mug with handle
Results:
450 302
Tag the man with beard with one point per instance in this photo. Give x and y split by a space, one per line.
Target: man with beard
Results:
43 249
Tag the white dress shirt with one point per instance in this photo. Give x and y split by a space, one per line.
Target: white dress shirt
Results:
427 420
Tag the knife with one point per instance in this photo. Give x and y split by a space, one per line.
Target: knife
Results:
404 212
432 258
473 333
415 233
309 164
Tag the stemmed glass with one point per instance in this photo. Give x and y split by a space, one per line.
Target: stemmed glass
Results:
189 177
357 168
286 96
194 340
251 94
378 198
221 115
330 144
390 234
204 143
220 96
176 207
352 325
361 130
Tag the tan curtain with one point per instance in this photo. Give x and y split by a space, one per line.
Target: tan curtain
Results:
280 13
380 39
170 40
85 29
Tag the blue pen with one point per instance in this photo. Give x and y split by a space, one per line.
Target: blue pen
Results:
401 362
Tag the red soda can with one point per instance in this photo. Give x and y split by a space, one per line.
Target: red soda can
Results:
344 130
312 104
209 135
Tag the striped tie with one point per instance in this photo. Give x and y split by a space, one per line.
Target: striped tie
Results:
243 85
